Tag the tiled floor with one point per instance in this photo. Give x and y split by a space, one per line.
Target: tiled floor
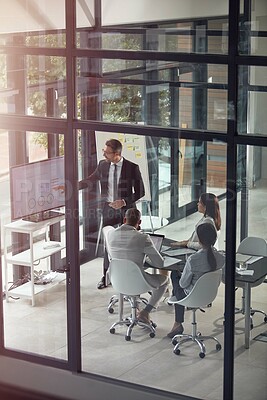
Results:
151 362
143 360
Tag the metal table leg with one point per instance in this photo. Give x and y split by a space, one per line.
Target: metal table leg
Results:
247 314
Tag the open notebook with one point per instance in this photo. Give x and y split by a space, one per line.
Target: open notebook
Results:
157 241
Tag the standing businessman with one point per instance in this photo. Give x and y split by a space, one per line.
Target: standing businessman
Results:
121 186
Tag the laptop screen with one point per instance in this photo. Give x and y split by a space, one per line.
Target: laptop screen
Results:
157 240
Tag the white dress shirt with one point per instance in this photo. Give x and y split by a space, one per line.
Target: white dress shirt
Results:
110 178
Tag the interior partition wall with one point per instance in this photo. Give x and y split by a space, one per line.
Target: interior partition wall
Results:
190 84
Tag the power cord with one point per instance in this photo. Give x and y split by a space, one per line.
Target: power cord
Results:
17 283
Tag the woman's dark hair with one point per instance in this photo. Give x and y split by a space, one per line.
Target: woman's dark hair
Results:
207 236
211 203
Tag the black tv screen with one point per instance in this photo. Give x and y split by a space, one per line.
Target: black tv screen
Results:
34 189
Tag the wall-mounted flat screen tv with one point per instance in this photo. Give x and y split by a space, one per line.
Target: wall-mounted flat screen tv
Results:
34 189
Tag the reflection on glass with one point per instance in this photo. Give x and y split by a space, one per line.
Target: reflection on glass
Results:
45 91
252 116
183 95
41 17
180 37
32 278
49 40
252 189
252 29
175 188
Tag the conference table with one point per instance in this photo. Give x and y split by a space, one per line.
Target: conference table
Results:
259 266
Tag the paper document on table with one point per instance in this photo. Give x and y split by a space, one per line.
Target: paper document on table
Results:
169 261
246 272
254 259
178 252
164 248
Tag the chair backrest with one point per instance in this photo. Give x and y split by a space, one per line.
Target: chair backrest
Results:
254 246
204 291
106 230
127 278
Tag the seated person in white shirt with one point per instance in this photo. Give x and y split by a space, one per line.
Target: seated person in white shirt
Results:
205 260
208 205
125 242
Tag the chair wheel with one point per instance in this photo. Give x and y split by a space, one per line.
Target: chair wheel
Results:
177 351
174 342
111 310
201 355
152 334
218 347
265 319
127 338
112 330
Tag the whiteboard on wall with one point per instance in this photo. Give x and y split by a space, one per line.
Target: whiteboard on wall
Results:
133 149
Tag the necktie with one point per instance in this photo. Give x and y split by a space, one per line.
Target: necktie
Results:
115 184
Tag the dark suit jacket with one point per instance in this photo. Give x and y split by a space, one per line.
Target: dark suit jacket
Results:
130 186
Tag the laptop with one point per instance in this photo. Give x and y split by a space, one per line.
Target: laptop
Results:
157 240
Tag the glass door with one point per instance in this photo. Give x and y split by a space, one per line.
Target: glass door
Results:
33 244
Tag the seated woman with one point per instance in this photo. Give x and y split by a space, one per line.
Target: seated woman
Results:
208 205
205 260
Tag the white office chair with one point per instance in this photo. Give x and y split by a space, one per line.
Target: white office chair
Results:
253 246
115 298
216 244
127 278
203 293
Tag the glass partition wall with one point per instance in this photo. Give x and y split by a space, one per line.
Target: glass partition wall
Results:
33 243
184 99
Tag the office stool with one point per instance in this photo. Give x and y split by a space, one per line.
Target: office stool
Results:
128 279
115 299
203 293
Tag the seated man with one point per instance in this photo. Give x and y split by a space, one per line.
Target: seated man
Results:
125 242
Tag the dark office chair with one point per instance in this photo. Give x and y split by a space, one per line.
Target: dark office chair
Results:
253 246
203 293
